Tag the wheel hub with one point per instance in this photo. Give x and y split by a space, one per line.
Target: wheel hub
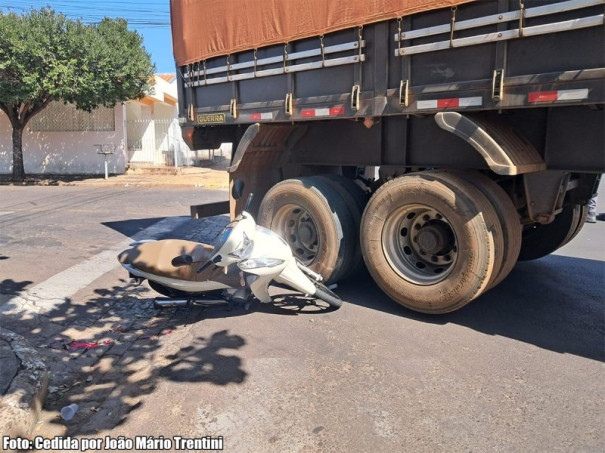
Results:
297 227
420 244
306 233
434 238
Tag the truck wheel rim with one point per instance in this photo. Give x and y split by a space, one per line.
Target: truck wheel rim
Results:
420 244
297 227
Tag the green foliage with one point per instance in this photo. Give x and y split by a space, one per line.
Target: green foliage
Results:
45 55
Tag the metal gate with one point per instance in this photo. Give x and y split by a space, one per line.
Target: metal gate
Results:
151 142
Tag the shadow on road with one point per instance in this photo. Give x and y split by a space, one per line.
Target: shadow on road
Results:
9 286
538 304
202 362
108 351
105 352
130 227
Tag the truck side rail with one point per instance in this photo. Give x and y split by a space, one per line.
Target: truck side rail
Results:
519 16
200 76
403 67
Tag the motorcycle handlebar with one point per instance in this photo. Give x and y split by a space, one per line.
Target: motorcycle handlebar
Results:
214 260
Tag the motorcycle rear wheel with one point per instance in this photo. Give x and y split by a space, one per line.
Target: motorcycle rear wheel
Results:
171 292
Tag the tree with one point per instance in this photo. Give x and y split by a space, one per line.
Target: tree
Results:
44 57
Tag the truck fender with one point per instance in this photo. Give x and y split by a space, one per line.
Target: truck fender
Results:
259 157
276 138
505 151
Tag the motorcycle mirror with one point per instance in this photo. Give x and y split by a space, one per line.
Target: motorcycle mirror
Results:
238 189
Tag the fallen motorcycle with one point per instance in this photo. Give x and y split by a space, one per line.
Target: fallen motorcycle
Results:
238 268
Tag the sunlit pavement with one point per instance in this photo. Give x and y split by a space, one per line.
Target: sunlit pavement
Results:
520 369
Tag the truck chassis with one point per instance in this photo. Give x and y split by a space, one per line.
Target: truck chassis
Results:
437 148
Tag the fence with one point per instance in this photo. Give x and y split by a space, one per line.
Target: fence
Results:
60 117
156 142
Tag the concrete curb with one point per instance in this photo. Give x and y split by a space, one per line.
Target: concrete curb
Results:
211 176
21 404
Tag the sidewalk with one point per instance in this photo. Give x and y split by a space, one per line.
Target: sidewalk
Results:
23 385
93 348
100 347
213 175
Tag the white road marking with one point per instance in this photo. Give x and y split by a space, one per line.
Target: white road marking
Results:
51 293
5 212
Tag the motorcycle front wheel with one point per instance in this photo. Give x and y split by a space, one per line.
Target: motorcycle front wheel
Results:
323 292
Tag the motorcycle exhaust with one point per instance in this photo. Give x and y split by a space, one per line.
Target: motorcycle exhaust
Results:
209 302
171 303
163 302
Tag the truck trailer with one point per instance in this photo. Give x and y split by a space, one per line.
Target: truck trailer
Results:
436 142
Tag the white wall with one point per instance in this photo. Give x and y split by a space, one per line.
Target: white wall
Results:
64 152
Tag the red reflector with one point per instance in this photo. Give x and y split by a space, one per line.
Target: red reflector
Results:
337 111
543 96
308 113
255 116
448 103
188 136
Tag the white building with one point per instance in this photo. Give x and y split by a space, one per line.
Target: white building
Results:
64 140
153 132
61 140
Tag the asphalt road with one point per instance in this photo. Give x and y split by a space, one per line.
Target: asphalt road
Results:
520 369
45 230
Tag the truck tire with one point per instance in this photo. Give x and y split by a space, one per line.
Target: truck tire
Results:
428 241
315 221
541 240
507 215
491 217
580 216
355 199
359 197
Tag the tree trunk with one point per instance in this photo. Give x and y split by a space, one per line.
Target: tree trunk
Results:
18 168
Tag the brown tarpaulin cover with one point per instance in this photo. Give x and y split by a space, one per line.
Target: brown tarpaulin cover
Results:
207 28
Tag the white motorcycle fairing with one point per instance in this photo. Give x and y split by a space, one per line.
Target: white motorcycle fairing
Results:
275 262
181 285
245 259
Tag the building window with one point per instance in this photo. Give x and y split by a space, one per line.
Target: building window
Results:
58 116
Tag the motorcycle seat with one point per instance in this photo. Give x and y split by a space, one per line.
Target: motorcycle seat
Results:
160 257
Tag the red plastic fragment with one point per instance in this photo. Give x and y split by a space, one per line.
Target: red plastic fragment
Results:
86 345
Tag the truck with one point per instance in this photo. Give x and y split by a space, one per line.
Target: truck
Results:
434 142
